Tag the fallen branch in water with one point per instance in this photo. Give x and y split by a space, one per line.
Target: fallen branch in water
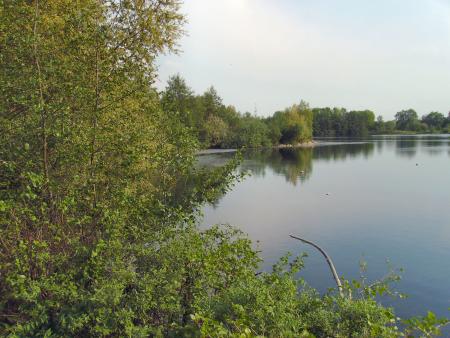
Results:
329 261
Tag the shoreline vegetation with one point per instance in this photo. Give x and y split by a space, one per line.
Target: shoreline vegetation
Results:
100 196
218 126
306 144
314 143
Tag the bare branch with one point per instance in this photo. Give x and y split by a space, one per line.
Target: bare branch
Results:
329 261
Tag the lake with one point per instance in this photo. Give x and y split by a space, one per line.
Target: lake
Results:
383 198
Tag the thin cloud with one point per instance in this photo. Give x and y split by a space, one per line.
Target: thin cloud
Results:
385 55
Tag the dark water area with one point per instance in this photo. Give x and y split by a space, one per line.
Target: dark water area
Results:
378 199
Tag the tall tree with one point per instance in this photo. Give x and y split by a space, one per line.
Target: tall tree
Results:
179 98
407 120
216 131
434 120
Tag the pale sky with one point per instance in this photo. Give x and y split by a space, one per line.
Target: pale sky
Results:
265 55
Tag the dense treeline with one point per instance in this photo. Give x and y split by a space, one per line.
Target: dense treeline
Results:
219 126
216 125
100 195
408 121
338 122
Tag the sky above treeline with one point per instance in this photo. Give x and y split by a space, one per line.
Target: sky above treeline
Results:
264 55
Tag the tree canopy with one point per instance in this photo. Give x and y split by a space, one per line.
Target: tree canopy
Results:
220 126
407 120
337 122
435 120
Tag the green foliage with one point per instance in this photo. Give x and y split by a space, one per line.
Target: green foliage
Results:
250 131
426 326
178 99
278 304
407 120
382 127
434 120
100 194
216 131
90 169
294 124
337 122
220 126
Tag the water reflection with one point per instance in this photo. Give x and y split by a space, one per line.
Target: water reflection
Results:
435 146
296 164
343 151
406 147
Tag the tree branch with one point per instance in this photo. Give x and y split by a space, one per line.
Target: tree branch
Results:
329 261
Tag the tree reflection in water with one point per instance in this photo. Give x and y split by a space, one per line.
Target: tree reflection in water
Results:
296 164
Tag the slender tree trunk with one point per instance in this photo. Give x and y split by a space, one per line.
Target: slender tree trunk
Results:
95 122
42 112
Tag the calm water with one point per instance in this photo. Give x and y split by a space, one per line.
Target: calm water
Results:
384 198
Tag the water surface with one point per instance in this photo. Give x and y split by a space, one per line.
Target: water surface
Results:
387 197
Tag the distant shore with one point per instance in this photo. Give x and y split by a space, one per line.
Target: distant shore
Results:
308 144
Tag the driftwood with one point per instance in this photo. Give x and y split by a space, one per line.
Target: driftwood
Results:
329 261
